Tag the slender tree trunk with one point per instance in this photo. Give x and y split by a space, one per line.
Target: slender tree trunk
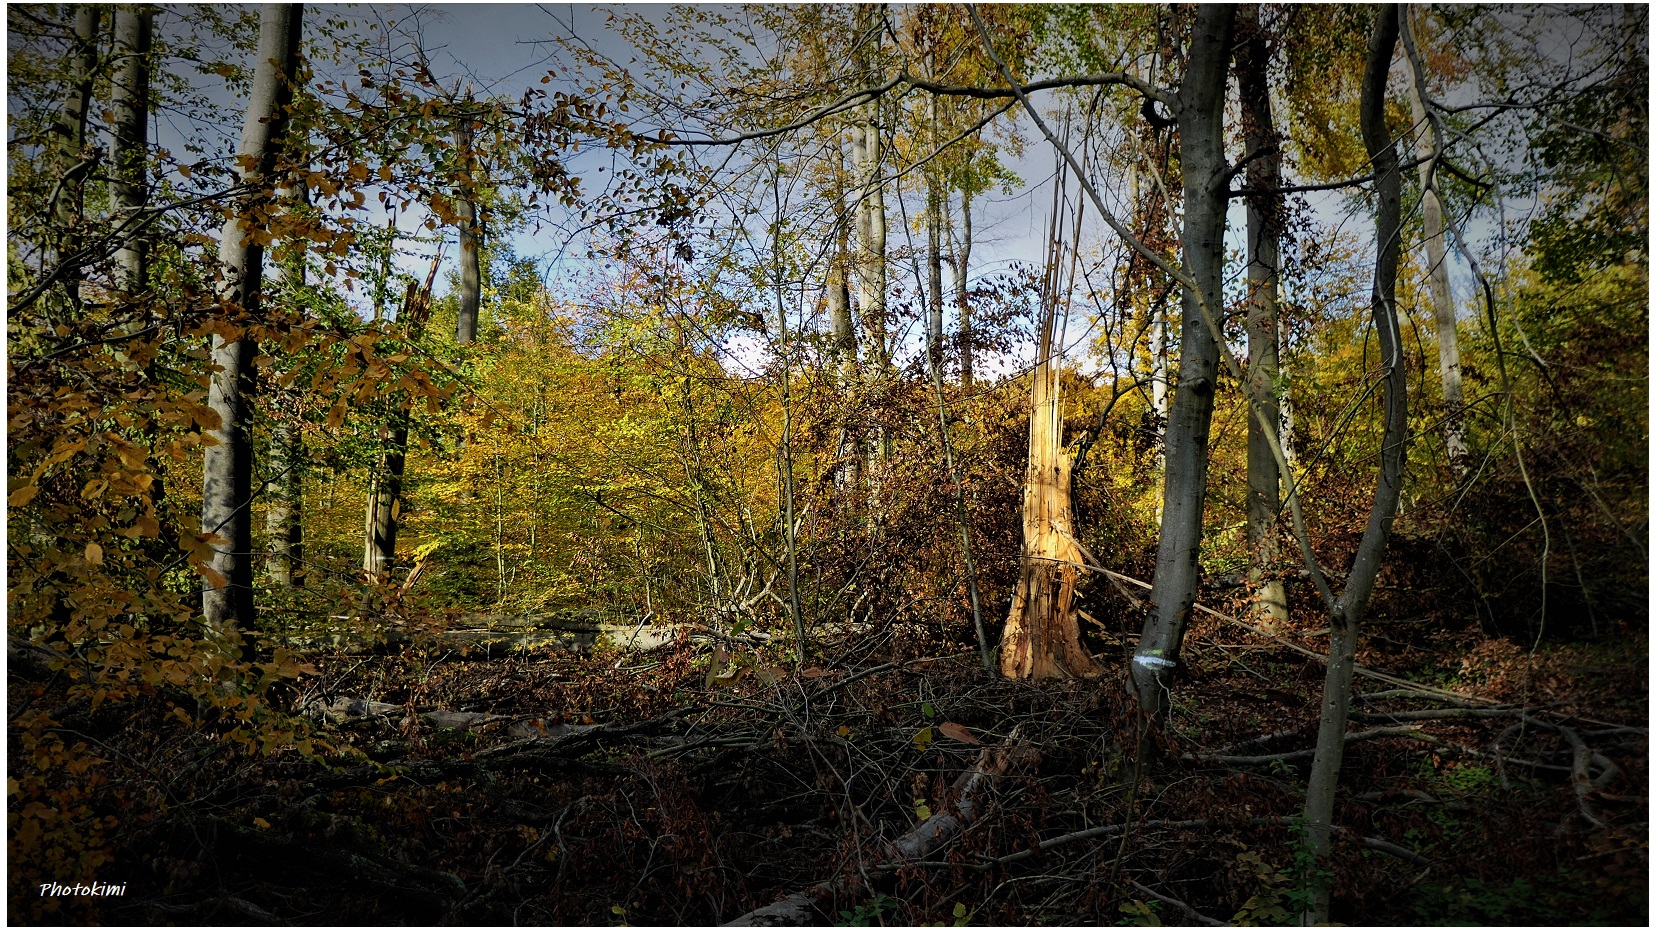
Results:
385 497
844 349
1350 607
283 527
964 308
284 522
1265 228
1439 272
471 233
872 246
227 468
935 259
75 159
1204 172
129 104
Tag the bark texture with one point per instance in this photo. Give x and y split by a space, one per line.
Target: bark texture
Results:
1041 638
129 104
1265 220
1350 606
1439 273
1198 112
964 308
283 529
75 159
227 467
471 234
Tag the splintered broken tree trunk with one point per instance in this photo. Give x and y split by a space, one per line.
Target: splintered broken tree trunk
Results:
1041 638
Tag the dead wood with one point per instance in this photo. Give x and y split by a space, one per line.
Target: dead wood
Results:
932 834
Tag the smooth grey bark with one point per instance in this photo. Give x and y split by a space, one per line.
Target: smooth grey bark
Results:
844 349
935 259
872 246
964 308
129 104
1198 107
227 466
75 160
1349 607
471 233
1439 272
1265 228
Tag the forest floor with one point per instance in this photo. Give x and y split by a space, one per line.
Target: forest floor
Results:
1506 786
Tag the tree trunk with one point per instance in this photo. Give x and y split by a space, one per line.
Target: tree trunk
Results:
1439 273
466 207
384 497
1041 638
283 528
872 245
844 350
129 104
1265 219
227 467
935 260
1350 607
75 160
964 308
1204 173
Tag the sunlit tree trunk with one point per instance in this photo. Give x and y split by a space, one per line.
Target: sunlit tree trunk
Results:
75 159
227 467
1204 171
844 348
1265 226
964 308
1350 607
1041 638
1439 272
935 259
129 104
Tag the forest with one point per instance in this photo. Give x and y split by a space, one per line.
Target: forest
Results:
875 464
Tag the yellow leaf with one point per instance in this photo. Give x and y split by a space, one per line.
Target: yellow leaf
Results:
22 496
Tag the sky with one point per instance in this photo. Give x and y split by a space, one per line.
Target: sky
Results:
502 49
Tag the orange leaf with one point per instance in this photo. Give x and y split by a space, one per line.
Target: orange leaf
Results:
958 732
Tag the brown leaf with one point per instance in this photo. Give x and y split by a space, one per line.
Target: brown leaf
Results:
957 731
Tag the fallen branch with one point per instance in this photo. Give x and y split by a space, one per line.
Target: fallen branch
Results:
1382 733
1182 905
933 833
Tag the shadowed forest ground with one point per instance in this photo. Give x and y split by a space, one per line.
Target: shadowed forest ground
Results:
638 789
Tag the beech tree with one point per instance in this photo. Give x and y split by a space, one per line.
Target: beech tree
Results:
1347 609
1198 107
227 466
1265 229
